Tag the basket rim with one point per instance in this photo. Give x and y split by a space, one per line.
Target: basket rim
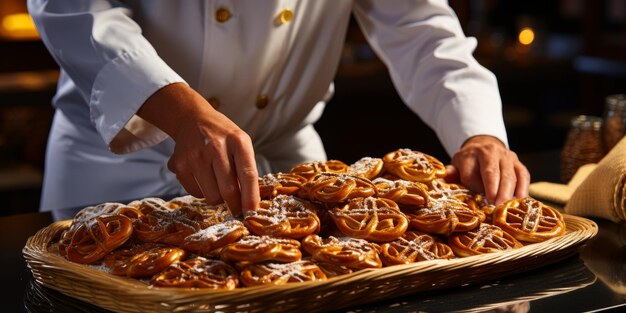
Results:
48 268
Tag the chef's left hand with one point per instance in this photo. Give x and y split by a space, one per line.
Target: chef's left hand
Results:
485 165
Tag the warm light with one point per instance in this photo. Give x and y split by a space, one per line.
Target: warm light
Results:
19 26
526 36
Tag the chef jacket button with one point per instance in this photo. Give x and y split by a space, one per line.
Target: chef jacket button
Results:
214 102
262 101
222 15
285 16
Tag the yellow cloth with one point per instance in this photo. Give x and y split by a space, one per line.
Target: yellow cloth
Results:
560 193
595 190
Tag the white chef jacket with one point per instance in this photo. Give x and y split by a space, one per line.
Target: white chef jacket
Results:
115 54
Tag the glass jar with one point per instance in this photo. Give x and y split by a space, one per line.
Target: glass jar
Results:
583 145
614 120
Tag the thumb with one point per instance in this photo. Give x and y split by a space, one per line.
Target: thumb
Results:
452 174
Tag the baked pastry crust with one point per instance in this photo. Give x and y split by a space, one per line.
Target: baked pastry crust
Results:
443 216
402 191
255 249
90 241
414 247
529 220
310 169
343 251
484 239
413 165
270 273
214 237
283 216
272 185
366 167
335 188
374 219
198 272
142 260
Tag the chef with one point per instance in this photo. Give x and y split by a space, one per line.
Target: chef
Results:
161 97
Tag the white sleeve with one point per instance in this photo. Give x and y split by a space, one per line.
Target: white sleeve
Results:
431 65
114 67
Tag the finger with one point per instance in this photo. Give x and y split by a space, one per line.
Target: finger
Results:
248 176
508 181
469 173
452 174
204 177
523 180
226 178
207 183
490 174
185 177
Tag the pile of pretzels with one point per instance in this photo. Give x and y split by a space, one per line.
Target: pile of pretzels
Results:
321 220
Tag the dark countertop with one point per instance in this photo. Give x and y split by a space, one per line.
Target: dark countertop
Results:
592 280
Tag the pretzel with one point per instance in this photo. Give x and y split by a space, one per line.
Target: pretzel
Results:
333 270
402 191
271 185
484 239
207 214
310 169
333 187
413 165
283 216
374 219
206 240
347 252
198 272
443 216
168 227
438 188
90 241
366 167
414 247
148 205
143 260
89 213
529 220
255 249
270 273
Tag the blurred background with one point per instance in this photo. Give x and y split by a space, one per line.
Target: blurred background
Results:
553 59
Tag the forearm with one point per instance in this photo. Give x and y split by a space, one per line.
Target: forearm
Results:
172 104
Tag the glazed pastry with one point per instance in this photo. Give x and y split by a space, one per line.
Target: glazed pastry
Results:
269 273
334 188
402 191
483 239
142 260
413 165
90 241
343 251
374 219
443 216
283 216
255 249
206 240
414 247
366 167
198 272
529 220
310 169
272 185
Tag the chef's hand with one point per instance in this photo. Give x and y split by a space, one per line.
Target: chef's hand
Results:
485 165
213 158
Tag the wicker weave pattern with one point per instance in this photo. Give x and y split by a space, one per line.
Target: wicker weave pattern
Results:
128 295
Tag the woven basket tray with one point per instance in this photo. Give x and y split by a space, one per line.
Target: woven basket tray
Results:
129 295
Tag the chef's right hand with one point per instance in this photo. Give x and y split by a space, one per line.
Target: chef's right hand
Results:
213 158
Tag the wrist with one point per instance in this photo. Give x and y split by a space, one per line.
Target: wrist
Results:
170 105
